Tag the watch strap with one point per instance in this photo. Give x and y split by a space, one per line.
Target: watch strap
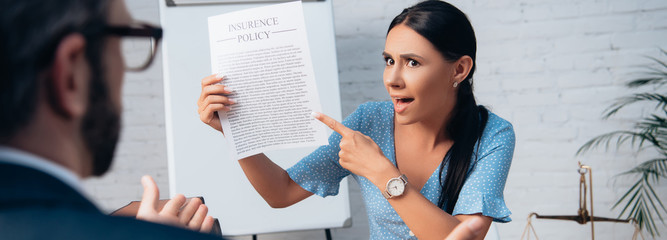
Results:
386 195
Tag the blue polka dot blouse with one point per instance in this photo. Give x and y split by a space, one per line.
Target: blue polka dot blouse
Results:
320 172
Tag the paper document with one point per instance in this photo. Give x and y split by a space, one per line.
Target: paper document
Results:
263 53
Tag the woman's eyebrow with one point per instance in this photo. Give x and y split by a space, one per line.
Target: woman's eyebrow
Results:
404 56
410 55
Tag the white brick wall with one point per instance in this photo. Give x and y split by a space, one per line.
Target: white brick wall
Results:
550 67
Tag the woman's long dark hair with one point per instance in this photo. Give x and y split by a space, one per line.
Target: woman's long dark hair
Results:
449 30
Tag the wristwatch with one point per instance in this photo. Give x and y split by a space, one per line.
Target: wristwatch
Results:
395 187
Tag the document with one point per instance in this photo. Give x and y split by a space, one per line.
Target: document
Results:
263 54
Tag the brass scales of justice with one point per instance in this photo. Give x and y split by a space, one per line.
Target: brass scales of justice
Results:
582 216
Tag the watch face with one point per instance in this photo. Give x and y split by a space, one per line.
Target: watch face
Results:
396 187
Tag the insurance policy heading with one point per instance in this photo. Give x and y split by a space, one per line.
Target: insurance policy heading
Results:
258 23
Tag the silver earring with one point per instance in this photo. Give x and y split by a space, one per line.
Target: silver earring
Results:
456 84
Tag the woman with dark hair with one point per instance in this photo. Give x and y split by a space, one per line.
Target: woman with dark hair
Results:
426 160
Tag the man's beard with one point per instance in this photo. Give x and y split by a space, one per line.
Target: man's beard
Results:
101 125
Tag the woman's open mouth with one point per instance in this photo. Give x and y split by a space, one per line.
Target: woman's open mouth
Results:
400 104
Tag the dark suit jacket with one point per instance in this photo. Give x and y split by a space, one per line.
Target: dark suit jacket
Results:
35 205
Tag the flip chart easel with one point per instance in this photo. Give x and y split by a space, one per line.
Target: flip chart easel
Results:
199 163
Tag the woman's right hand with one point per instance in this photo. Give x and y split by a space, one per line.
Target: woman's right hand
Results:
213 99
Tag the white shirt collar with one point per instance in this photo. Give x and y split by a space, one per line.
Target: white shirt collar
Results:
26 159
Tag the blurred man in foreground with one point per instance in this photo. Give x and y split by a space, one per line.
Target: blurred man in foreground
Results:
61 71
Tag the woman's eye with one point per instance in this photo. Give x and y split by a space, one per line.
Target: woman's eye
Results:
389 61
412 63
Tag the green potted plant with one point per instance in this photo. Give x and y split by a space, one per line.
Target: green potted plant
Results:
650 132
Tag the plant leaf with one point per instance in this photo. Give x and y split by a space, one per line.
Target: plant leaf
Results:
650 197
620 136
658 80
636 191
660 99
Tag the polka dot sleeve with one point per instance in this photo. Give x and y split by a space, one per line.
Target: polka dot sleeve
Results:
483 191
320 172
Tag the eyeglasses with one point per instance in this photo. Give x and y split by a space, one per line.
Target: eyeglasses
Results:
138 44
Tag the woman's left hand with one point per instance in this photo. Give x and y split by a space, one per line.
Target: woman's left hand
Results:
359 153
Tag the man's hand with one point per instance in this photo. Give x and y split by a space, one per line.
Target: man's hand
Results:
176 212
